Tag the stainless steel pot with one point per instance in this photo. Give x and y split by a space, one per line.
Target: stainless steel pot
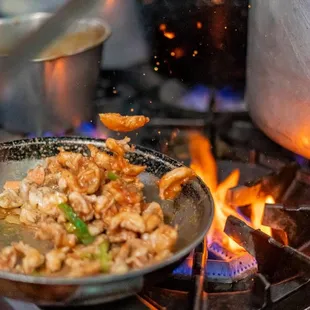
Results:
54 93
278 71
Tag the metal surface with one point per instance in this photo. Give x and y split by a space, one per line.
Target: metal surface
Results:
275 184
32 44
192 211
225 266
50 94
278 71
272 257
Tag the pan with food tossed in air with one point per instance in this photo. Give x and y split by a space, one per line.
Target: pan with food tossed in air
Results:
191 211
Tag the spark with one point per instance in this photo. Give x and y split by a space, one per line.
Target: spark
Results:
199 25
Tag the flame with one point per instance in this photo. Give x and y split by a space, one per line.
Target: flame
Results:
204 164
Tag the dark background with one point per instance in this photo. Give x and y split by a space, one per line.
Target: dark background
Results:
200 41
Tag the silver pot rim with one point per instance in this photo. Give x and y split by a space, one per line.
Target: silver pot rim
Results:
89 21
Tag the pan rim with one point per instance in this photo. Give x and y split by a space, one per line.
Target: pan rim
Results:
107 278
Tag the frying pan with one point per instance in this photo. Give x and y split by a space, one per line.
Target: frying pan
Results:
192 211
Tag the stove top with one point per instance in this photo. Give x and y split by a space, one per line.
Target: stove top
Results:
268 272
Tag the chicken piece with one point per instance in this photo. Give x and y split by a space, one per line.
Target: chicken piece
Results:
36 175
81 206
52 180
120 235
9 199
96 227
55 258
69 160
24 189
162 255
170 185
130 170
118 147
8 258
102 159
29 215
136 208
128 220
101 203
87 181
163 238
139 253
104 207
118 162
47 200
153 216
14 185
32 257
82 267
89 177
117 122
50 230
123 193
119 264
62 183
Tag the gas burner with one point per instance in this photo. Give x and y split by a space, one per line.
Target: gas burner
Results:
225 266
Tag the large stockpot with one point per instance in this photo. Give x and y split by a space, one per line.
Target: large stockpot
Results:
278 71
55 92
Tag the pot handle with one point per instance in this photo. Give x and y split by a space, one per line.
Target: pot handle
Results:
102 293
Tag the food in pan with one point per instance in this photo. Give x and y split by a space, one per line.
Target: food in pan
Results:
92 211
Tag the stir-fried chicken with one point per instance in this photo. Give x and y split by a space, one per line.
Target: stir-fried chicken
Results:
55 259
171 183
117 122
91 209
10 199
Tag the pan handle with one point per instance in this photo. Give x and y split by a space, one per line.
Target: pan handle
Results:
101 293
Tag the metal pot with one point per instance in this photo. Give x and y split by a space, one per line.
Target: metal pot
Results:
54 93
278 71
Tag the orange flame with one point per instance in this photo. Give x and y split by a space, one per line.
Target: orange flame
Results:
204 164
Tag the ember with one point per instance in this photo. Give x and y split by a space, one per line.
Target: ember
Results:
204 164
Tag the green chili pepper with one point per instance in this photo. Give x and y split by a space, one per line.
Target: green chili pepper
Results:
104 256
112 176
81 229
70 228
